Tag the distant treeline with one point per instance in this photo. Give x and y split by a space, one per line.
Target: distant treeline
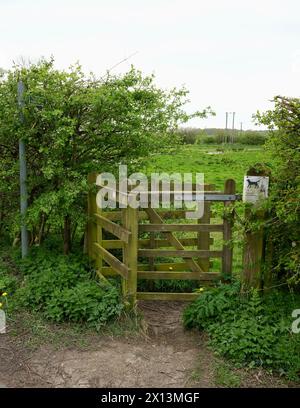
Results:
219 136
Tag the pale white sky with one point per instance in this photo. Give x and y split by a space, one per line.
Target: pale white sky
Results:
233 55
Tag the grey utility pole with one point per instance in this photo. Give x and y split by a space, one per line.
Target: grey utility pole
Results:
23 175
226 127
233 115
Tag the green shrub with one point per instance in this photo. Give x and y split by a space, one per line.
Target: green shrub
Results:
283 224
206 139
170 285
8 282
253 331
251 137
63 288
248 137
210 304
86 302
45 274
188 135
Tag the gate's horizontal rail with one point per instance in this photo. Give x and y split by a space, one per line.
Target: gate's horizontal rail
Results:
171 186
166 214
174 194
188 297
211 196
113 244
145 243
205 276
114 262
185 253
170 266
174 185
115 229
158 243
167 266
181 227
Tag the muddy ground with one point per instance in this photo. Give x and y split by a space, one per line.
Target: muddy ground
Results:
161 354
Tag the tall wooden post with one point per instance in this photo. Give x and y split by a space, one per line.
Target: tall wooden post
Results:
130 255
229 188
253 255
99 238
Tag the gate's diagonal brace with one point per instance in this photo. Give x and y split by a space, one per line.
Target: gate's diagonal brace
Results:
155 218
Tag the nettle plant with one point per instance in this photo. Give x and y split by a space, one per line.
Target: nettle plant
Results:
63 288
250 329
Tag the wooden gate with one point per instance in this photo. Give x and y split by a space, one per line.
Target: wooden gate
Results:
127 243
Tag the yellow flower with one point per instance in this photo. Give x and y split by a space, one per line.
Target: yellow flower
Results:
4 294
1 305
199 290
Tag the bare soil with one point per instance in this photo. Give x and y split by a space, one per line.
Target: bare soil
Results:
162 354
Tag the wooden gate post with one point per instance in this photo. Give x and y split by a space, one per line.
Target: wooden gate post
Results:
253 255
229 188
130 255
204 237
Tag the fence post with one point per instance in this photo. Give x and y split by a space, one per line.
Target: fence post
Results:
130 255
204 237
253 254
229 188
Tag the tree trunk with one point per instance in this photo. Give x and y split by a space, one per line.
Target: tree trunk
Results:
67 235
40 237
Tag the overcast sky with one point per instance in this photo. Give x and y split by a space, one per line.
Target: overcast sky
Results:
232 55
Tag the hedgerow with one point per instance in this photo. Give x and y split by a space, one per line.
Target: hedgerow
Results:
283 223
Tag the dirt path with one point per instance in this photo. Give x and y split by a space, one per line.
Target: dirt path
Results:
164 355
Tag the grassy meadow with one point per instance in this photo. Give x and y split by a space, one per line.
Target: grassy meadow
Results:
218 163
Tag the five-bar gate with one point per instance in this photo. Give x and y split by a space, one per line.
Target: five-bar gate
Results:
134 243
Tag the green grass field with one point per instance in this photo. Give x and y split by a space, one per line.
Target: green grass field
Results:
216 162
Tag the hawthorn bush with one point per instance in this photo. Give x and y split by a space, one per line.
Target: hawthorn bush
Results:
283 223
73 125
